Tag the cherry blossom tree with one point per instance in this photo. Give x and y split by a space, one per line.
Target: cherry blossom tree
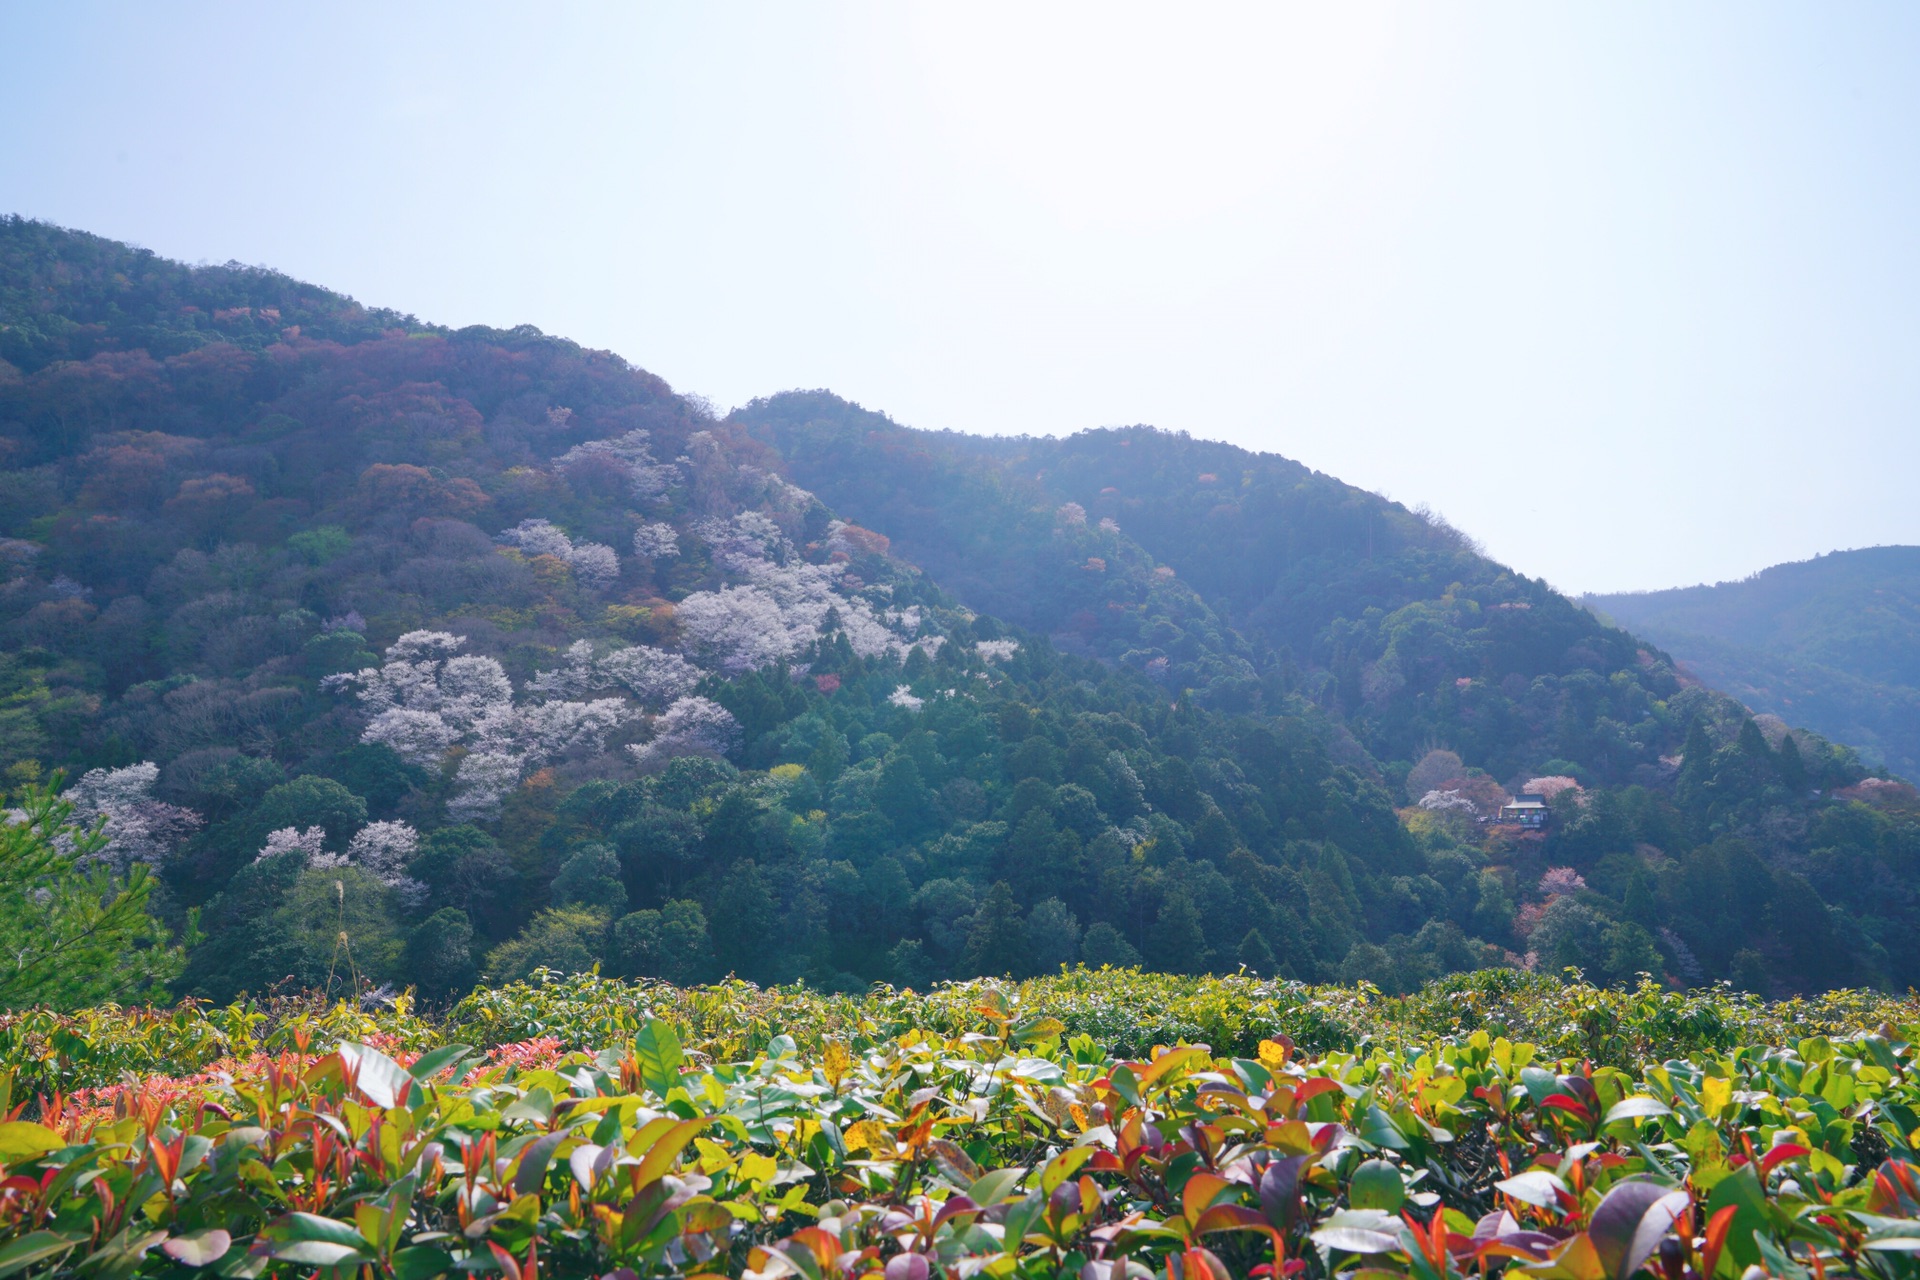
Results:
310 844
1559 881
594 565
138 827
654 676
656 542
691 726
630 454
428 699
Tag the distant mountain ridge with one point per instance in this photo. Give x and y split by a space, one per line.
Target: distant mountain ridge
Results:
498 654
1832 643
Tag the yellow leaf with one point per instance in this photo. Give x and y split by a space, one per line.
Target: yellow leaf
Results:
1715 1094
869 1135
24 1140
836 1062
713 1156
1272 1056
755 1167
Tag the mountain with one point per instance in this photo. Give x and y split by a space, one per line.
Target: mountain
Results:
1832 643
420 654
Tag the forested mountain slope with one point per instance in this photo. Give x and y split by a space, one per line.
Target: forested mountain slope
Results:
1832 643
486 652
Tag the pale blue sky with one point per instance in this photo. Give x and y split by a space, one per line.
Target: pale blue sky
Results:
1631 292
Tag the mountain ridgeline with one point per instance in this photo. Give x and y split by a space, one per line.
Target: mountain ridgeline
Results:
425 655
1832 643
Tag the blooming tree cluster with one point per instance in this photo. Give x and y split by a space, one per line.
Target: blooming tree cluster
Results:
1560 881
138 827
1449 801
629 454
777 604
593 564
431 703
996 650
310 844
656 541
691 726
654 677
429 698
381 849
902 696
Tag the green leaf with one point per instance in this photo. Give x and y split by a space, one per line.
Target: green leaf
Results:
1379 1129
1742 1190
1021 1215
1638 1107
318 1253
991 1189
658 1049
295 1228
532 1174
1062 1167
1035 1028
420 1263
23 1140
429 1065
1377 1185
36 1246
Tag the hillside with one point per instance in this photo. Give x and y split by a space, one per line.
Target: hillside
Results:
1832 643
423 655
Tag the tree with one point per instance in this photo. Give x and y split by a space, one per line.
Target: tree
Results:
590 878
997 943
464 868
1178 943
1053 936
335 925
439 955
745 905
565 939
312 802
902 795
1435 769
1256 955
671 943
72 937
1106 945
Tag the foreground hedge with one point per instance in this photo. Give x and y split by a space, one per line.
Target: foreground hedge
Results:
993 1139
1124 1012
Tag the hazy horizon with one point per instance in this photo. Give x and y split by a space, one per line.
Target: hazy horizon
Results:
1628 294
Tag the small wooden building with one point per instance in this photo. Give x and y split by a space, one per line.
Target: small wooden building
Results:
1526 810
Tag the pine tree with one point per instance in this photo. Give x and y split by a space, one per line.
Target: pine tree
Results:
1696 766
997 945
1793 768
1177 942
1255 955
902 795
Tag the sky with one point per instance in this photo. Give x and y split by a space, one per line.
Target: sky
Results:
1630 292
